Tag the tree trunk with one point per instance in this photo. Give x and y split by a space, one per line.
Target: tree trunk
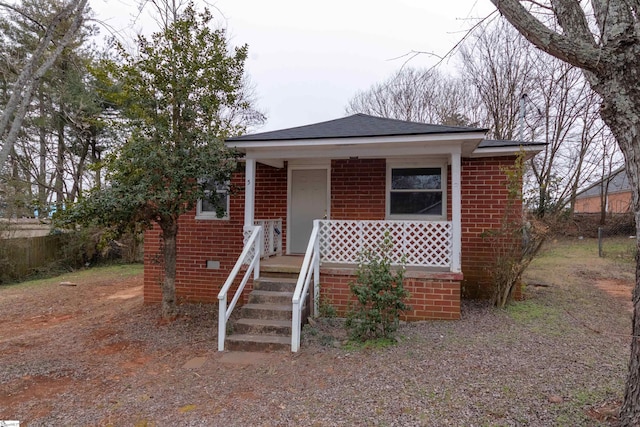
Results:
76 188
621 111
630 411
43 209
611 60
169 251
59 183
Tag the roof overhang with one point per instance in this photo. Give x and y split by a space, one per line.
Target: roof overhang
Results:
361 147
530 150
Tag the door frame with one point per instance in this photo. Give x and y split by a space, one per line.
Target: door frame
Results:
306 164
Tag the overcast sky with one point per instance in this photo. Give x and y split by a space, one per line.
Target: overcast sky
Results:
307 59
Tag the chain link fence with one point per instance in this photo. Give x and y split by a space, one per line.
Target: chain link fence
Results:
616 238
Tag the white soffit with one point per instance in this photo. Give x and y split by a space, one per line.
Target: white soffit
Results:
530 151
365 147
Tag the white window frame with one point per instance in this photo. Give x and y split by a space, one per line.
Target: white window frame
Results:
442 165
211 215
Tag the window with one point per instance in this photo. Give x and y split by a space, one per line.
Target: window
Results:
415 192
216 203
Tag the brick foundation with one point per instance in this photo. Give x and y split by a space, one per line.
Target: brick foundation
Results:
433 295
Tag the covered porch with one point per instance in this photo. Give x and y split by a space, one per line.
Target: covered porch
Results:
350 184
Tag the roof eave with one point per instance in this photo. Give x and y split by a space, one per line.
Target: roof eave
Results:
355 141
530 151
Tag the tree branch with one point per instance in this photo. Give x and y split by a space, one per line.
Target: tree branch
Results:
573 21
23 13
581 53
29 80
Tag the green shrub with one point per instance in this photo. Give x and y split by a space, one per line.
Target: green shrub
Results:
326 309
379 294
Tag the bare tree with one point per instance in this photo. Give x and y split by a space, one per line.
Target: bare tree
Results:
496 63
528 95
602 37
565 116
411 94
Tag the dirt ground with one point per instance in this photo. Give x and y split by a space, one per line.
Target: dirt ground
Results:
82 349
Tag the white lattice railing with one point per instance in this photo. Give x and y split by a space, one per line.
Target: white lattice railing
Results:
420 243
271 243
272 232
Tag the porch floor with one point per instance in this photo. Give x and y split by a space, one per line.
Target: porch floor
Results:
293 263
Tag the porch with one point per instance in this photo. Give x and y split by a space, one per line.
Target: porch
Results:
350 185
333 252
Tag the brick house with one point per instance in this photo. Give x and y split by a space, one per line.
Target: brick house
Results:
312 197
616 190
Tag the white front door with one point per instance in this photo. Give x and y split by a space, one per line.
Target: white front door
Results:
308 202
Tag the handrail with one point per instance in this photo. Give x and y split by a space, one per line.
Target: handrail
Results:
311 259
251 248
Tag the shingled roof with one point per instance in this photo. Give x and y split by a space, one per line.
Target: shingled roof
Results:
618 183
356 126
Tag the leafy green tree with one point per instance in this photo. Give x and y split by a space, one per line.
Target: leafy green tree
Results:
180 96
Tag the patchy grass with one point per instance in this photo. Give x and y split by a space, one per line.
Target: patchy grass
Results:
533 312
569 261
622 249
558 358
372 344
106 273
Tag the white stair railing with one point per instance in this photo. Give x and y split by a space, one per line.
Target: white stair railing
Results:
310 269
250 255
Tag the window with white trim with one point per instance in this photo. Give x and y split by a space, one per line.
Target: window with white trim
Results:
416 192
215 204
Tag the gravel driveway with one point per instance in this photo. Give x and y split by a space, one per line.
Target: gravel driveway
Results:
89 353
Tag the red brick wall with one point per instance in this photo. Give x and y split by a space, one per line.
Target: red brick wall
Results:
218 240
431 298
484 198
616 203
357 192
358 189
271 196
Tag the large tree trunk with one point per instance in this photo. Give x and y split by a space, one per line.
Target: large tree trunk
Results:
621 111
610 57
169 251
630 411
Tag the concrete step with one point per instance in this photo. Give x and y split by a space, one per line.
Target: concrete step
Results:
262 327
273 274
266 311
247 342
270 297
275 284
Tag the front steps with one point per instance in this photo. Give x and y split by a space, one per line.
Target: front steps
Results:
265 321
